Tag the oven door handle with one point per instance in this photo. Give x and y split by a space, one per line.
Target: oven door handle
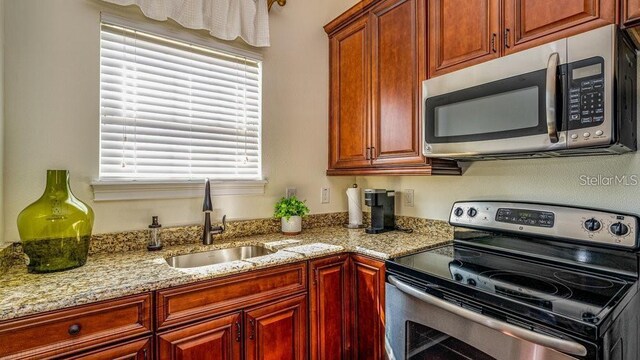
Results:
551 96
564 346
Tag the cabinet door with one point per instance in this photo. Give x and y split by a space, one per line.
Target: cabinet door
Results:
277 331
530 23
134 350
215 339
368 308
462 33
349 96
329 301
630 12
398 65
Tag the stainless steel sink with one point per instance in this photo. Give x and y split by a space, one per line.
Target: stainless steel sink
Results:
217 256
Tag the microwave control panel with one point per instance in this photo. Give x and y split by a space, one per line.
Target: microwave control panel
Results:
586 96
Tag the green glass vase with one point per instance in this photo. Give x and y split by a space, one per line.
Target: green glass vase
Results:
56 229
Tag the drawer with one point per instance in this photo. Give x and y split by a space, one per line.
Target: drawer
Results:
71 330
182 304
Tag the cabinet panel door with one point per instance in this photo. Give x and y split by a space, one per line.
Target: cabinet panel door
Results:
462 33
530 23
215 339
134 350
277 331
630 12
368 308
398 67
349 96
329 301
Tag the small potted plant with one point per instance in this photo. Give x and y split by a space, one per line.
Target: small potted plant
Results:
291 210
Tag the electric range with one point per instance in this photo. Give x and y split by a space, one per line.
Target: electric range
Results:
520 281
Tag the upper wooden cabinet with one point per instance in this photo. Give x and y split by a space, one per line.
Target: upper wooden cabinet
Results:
529 23
350 76
465 33
377 64
630 13
462 33
397 64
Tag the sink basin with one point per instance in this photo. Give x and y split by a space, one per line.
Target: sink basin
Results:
217 256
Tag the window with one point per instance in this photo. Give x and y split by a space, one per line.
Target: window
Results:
173 110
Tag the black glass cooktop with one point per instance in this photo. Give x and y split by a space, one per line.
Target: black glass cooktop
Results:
514 283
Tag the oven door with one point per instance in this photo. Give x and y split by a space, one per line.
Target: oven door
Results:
508 105
422 326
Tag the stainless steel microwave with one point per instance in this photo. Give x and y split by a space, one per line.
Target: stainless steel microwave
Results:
574 96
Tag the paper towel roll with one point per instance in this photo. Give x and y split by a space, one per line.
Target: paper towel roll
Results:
355 209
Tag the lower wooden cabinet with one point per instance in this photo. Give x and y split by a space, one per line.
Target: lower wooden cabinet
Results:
329 308
74 330
344 307
368 308
218 338
346 296
277 331
134 350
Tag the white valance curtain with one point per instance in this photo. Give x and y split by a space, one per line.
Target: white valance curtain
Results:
224 19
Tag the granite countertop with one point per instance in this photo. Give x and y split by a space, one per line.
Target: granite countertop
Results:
108 276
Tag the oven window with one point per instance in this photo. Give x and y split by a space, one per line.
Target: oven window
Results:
425 343
505 111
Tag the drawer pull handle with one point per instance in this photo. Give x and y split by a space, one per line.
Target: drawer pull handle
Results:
238 331
252 334
74 329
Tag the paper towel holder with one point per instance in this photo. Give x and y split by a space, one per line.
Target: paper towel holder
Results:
354 226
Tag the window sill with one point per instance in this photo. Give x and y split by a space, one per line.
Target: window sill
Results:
114 190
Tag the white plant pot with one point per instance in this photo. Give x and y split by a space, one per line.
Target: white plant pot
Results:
293 226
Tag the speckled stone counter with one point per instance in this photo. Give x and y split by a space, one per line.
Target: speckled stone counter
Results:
112 275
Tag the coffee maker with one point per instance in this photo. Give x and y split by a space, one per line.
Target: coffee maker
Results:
382 203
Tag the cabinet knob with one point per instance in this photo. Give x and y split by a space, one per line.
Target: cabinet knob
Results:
74 329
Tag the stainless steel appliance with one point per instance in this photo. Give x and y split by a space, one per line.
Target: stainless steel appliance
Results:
574 96
520 281
382 204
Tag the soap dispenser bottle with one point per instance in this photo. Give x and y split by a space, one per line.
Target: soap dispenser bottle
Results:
155 240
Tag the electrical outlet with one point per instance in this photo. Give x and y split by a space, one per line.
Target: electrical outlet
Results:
407 194
325 195
291 192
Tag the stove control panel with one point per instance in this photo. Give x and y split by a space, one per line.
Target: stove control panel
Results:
576 224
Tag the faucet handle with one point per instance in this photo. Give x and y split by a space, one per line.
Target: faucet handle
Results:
220 229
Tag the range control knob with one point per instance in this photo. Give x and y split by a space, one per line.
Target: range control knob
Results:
457 277
472 212
592 224
458 212
471 282
619 229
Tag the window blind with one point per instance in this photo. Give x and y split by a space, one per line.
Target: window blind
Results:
174 110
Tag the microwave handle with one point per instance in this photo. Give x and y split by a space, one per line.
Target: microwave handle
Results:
551 96
561 345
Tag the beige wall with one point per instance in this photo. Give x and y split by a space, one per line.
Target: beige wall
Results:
1 117
52 99
543 180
